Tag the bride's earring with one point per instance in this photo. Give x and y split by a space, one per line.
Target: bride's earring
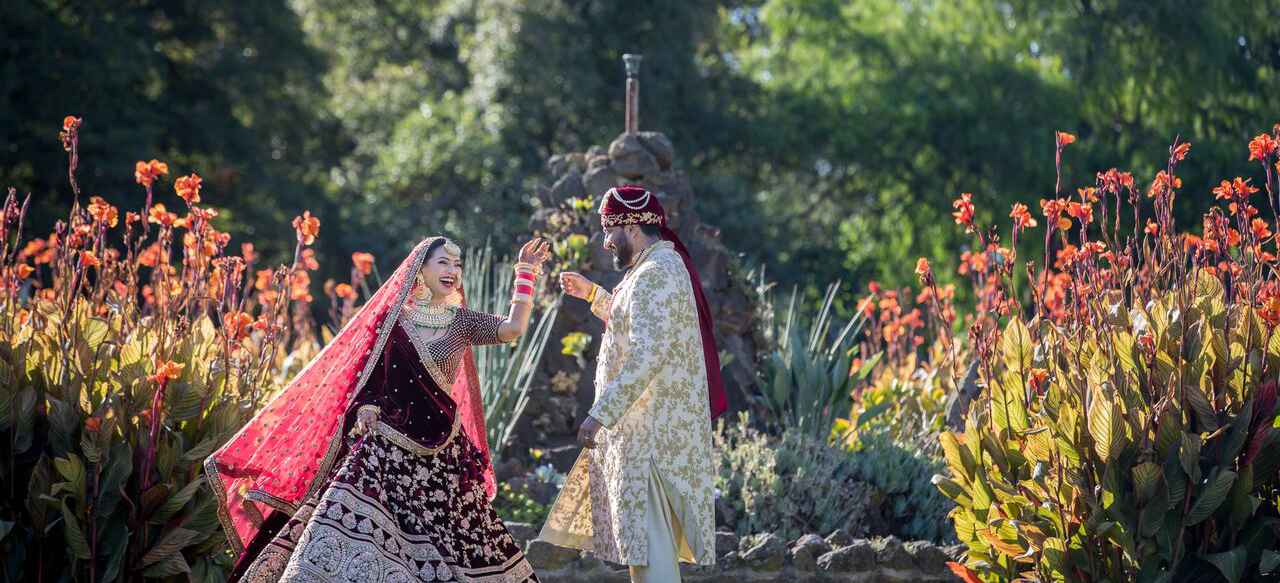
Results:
423 293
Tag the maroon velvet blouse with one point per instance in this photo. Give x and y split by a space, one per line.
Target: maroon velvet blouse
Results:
411 399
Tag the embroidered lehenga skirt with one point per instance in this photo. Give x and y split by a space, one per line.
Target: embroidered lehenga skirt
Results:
396 510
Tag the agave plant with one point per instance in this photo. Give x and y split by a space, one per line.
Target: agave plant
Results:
506 371
807 379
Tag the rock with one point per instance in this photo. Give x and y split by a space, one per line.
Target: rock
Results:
726 516
631 159
557 164
927 557
731 560
764 552
599 179
594 151
660 146
853 558
726 542
805 552
545 556
568 186
890 553
839 538
523 532
562 457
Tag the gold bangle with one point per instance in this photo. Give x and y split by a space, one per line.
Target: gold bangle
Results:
591 297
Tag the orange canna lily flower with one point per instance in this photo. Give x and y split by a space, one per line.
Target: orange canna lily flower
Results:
363 262
922 267
237 324
1022 218
1064 139
309 260
1260 228
25 271
1152 228
1262 147
158 215
103 212
307 227
88 259
145 173
263 281
188 187
93 424
247 252
71 122
167 371
1180 152
345 291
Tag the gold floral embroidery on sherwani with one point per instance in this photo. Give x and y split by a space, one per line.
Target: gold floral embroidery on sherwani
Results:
651 397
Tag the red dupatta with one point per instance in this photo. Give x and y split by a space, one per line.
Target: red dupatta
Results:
285 453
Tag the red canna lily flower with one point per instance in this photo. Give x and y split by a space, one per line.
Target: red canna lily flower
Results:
88 259
25 271
964 211
70 123
1152 228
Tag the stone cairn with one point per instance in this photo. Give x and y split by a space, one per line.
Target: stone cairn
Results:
563 392
766 557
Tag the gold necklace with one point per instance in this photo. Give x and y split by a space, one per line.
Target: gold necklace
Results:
431 316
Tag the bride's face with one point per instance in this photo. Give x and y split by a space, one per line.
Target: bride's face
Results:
442 272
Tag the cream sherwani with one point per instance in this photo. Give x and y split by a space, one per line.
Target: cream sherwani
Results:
651 398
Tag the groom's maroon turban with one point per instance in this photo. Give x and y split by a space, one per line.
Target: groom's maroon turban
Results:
633 205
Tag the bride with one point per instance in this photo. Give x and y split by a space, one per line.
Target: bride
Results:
372 464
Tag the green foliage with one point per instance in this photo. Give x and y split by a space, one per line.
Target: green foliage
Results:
518 506
791 485
901 473
869 116
100 465
1132 465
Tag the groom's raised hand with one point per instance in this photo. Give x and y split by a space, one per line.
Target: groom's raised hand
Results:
575 284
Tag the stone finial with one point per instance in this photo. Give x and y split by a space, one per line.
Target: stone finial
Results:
632 120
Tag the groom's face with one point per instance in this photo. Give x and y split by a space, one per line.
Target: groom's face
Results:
618 243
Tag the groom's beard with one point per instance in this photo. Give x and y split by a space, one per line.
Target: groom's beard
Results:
623 254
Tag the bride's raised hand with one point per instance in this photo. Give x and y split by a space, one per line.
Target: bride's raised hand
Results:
535 252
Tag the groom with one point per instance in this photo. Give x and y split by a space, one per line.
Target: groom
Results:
642 493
